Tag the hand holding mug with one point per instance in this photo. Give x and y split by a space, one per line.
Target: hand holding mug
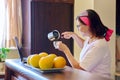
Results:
60 45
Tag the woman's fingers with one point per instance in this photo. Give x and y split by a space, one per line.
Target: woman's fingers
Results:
59 45
66 35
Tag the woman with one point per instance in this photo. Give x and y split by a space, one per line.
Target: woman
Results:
95 54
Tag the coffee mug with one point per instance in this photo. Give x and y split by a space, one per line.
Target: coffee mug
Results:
54 35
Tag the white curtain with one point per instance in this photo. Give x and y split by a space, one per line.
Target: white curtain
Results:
3 23
10 22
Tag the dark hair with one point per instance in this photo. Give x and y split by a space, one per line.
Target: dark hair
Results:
96 26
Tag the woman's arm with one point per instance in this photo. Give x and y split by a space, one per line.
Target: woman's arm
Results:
68 35
72 61
62 47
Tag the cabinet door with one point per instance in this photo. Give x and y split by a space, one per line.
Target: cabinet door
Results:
117 17
46 17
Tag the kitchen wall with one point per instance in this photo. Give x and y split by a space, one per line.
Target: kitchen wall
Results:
107 11
80 5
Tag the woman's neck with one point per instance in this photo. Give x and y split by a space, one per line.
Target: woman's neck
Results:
92 39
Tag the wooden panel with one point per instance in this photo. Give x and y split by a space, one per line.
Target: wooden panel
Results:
26 34
118 17
57 1
2 76
45 18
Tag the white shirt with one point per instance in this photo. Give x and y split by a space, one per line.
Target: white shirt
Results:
95 57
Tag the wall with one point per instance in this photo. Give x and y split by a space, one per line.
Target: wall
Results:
106 9
107 12
79 6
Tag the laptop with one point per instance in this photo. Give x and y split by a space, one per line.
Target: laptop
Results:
19 48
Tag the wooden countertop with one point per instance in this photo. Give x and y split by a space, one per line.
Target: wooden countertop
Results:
31 74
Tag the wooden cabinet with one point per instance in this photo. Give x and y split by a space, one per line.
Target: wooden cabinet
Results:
2 70
41 17
117 17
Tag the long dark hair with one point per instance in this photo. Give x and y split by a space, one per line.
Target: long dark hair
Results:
96 26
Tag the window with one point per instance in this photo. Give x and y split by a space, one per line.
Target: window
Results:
10 22
3 25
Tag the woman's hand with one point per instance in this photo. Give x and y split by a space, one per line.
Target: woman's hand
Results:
67 35
60 46
74 36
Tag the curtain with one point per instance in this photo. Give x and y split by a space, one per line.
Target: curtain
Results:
13 23
3 26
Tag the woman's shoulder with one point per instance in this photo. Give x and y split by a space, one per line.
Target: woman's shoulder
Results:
97 42
101 43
